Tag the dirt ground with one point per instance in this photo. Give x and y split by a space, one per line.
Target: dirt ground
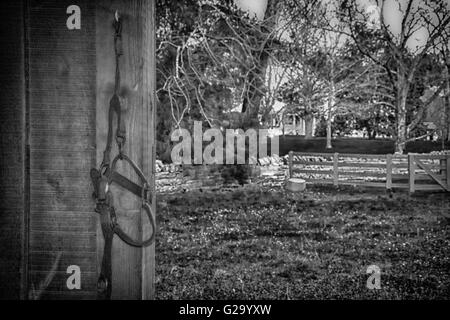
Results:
260 242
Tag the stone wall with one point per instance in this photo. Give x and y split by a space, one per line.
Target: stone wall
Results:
179 178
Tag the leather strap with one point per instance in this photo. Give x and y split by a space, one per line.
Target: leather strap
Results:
106 175
126 183
104 283
142 192
138 243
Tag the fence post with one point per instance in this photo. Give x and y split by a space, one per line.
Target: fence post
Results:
291 156
388 171
335 168
411 172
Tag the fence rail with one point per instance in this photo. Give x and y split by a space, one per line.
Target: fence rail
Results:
412 171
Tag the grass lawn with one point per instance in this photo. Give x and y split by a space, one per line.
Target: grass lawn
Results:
265 244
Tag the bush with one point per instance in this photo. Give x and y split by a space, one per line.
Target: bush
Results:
236 172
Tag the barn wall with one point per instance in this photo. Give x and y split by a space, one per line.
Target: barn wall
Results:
56 85
12 112
62 149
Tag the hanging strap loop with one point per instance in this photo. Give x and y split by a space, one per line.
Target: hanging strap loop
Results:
142 192
114 107
138 243
104 283
107 174
114 104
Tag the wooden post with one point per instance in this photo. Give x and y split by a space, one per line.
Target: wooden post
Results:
411 172
447 170
291 156
389 171
336 169
149 140
13 154
132 268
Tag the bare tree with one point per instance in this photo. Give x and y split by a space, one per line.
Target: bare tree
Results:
225 55
326 69
230 56
343 73
402 54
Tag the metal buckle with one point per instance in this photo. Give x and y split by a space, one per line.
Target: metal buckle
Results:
120 141
102 284
146 195
113 217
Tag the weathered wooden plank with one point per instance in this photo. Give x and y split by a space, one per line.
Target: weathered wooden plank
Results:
13 272
342 173
88 283
342 155
312 154
319 181
313 163
380 165
363 174
430 156
310 171
428 187
133 268
41 260
363 183
62 138
364 156
418 177
149 139
400 185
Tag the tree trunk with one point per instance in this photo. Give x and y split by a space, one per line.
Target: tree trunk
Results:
252 98
294 124
308 125
255 82
446 129
331 101
402 93
329 146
